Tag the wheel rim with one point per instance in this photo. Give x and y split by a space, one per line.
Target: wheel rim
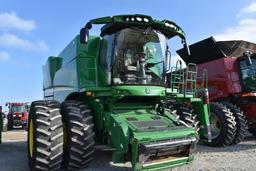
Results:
31 138
215 125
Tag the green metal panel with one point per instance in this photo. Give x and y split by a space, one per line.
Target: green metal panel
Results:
119 125
138 90
119 136
87 72
171 29
52 65
74 69
202 111
69 52
147 137
85 59
87 62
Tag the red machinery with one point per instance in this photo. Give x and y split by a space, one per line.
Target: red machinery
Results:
17 115
231 67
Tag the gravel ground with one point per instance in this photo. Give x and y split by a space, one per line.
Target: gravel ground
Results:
13 156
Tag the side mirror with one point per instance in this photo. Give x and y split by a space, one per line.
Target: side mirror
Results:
185 45
168 61
248 59
84 35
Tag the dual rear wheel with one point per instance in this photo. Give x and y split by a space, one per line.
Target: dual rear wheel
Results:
227 121
59 135
228 124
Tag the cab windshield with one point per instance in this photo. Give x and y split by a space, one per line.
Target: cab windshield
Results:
18 109
138 57
248 73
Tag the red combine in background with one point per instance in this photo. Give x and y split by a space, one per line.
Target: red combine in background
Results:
17 115
231 67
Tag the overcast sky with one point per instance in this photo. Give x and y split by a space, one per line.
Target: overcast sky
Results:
30 31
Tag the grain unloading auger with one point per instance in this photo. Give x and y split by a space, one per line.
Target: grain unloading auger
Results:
111 90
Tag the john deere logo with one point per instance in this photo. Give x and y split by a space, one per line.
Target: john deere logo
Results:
147 90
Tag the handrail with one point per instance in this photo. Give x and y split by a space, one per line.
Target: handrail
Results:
204 82
177 76
191 77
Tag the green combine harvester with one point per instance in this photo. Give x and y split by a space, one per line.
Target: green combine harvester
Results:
111 91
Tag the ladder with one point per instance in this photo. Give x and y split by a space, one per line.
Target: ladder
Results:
184 80
191 78
177 77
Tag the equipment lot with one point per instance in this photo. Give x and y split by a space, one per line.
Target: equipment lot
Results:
13 156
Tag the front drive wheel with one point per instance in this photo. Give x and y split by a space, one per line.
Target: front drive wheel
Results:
78 135
45 136
187 114
223 125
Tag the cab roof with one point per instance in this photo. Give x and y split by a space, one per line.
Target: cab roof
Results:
118 22
17 104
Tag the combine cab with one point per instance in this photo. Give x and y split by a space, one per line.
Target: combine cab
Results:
231 67
17 115
111 91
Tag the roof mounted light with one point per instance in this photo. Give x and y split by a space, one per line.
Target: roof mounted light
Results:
136 19
146 20
167 24
139 19
173 26
170 25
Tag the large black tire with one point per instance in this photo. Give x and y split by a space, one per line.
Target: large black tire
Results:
78 135
45 136
221 119
241 122
187 114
